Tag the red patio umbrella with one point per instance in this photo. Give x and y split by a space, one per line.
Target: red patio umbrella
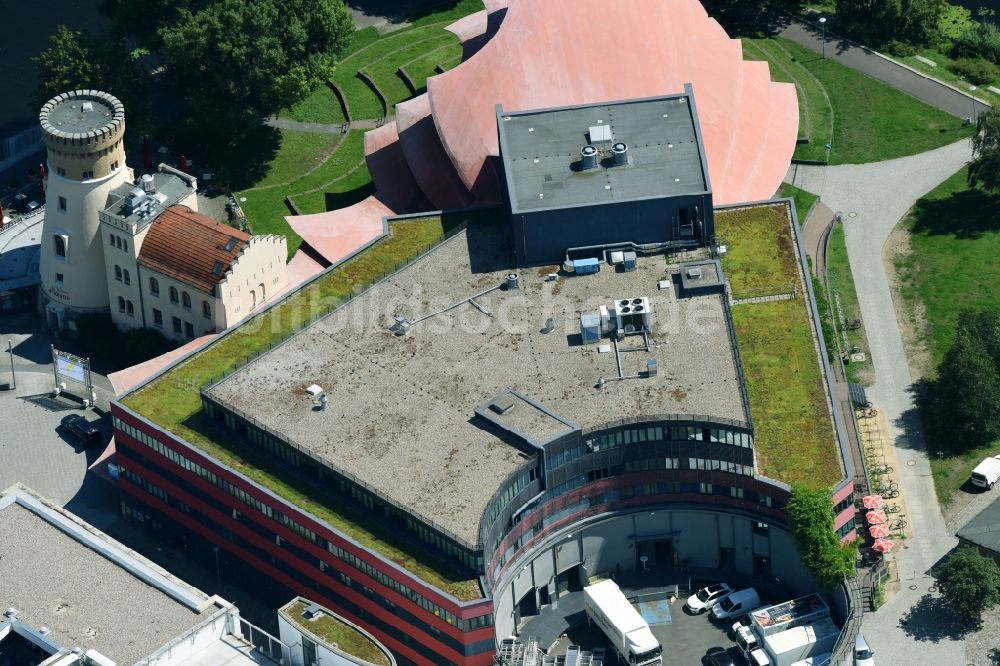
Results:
41 182
147 155
876 517
872 501
882 545
183 166
879 531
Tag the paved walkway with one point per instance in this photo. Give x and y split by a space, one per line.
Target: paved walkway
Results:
868 62
859 191
321 128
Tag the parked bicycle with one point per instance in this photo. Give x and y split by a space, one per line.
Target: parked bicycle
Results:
893 508
883 469
897 524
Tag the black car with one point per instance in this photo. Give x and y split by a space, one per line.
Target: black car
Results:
718 656
88 434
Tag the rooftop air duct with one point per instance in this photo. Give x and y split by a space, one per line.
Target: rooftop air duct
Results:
619 152
588 158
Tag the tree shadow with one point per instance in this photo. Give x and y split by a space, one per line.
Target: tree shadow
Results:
932 620
967 214
394 11
237 162
910 426
751 18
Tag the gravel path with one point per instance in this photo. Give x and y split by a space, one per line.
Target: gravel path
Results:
873 198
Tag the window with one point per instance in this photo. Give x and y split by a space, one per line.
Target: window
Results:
186 300
121 304
127 278
206 310
59 278
114 165
177 325
230 244
157 318
125 245
154 286
129 309
61 171
59 245
111 240
88 175
173 296
118 272
118 242
62 204
217 268
189 330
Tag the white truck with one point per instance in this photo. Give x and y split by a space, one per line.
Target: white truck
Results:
608 608
795 645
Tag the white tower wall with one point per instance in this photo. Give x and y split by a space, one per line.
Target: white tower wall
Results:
83 132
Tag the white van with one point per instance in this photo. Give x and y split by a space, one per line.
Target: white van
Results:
736 604
986 473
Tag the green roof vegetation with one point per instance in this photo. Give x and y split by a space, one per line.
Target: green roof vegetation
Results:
173 400
341 635
794 435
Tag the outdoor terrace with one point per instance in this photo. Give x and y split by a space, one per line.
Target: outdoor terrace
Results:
334 632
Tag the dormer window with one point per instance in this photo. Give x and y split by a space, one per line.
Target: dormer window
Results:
217 268
231 244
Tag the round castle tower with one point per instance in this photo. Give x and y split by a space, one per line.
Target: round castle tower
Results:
83 132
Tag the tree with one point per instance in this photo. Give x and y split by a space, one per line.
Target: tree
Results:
72 62
810 513
970 584
984 169
235 62
961 407
880 22
66 65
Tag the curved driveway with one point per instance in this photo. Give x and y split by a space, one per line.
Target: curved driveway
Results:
873 198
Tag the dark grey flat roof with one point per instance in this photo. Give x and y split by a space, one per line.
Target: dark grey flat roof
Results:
169 190
541 152
984 529
401 409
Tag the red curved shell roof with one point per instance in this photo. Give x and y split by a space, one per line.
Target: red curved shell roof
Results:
550 53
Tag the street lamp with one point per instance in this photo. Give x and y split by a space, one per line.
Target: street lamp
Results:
822 22
972 89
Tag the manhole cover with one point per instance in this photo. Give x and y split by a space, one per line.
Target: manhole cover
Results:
911 463
932 588
852 214
913 587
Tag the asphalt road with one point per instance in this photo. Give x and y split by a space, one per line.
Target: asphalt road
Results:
866 61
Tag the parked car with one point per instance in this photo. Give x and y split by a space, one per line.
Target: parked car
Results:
706 597
986 473
88 434
717 656
736 604
863 655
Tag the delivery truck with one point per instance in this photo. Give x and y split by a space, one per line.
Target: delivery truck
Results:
630 635
795 645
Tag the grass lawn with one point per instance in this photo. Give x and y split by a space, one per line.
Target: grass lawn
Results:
803 200
871 121
299 152
320 107
952 265
794 435
334 632
173 401
815 110
841 283
342 174
761 254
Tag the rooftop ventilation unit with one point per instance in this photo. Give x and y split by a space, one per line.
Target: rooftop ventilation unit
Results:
400 326
147 183
511 282
632 315
133 201
600 133
694 272
588 158
619 153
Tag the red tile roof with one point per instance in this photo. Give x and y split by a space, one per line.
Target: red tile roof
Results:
186 245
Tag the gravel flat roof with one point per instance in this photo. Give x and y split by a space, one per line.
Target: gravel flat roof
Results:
87 599
401 414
